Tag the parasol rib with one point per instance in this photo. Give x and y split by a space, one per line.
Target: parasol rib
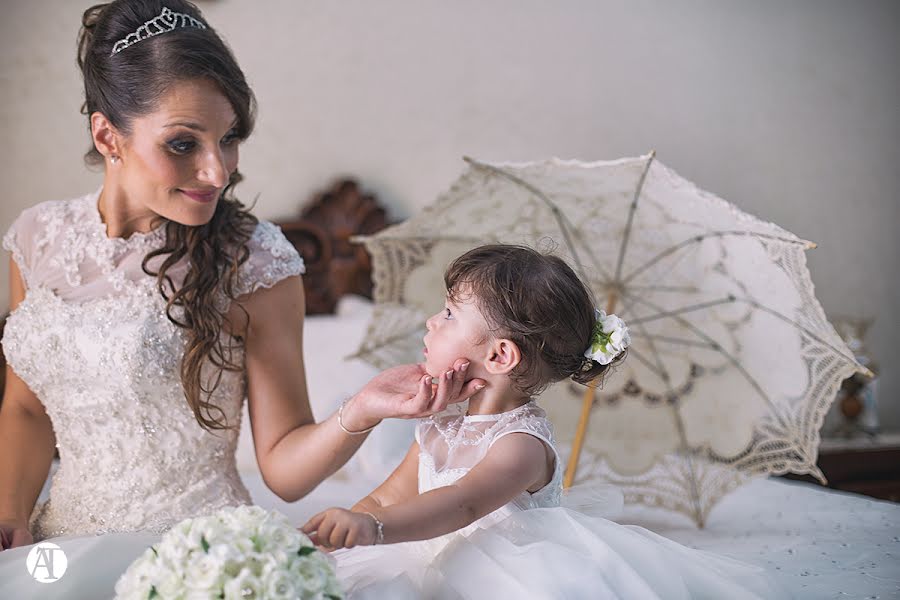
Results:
632 209
678 311
653 350
677 341
699 238
685 289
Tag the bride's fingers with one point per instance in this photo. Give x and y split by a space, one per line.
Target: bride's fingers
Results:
418 405
442 395
469 389
458 380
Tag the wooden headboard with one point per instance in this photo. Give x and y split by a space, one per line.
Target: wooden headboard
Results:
334 265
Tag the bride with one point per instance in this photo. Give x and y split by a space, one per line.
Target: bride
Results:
143 313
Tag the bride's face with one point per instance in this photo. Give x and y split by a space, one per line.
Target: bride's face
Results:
177 159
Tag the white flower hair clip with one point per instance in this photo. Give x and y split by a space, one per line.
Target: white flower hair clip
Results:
610 338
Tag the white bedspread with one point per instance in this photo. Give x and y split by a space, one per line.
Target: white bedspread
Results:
820 544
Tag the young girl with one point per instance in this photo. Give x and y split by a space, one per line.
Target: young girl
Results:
477 498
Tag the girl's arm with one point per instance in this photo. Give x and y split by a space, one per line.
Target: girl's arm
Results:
515 463
294 452
400 486
340 528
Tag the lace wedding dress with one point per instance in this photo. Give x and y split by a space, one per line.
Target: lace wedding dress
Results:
545 544
92 340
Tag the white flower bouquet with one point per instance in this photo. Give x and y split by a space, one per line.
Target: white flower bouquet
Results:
241 553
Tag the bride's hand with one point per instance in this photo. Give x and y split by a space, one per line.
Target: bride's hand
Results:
407 392
14 535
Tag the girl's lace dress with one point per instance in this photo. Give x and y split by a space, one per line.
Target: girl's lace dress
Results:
537 545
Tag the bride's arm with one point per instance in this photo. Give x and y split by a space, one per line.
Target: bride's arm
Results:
294 452
26 443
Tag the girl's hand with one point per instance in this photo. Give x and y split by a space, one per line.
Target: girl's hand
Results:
339 528
407 392
13 535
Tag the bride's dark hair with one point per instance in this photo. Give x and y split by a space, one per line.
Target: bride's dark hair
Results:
129 84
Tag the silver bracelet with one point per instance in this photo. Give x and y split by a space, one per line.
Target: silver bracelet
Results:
379 533
341 421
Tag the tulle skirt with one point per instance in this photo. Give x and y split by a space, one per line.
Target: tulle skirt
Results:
549 553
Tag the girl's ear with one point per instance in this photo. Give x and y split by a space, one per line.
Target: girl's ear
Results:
105 135
503 357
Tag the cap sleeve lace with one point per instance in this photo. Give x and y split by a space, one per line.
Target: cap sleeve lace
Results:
20 240
272 258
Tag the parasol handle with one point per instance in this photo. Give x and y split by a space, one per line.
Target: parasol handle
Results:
586 404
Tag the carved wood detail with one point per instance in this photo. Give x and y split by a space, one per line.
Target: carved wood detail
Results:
334 265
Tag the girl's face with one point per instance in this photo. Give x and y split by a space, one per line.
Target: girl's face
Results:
458 331
177 159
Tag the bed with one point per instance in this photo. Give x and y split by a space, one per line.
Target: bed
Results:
817 543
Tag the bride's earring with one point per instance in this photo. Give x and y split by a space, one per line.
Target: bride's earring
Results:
114 159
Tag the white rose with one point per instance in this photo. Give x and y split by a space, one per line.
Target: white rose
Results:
610 323
274 536
168 585
244 585
204 572
280 585
314 577
243 545
230 556
613 340
247 518
256 562
174 548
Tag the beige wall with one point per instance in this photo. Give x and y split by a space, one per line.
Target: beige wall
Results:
789 110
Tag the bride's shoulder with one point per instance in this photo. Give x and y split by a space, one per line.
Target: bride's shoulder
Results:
50 212
271 258
38 226
268 240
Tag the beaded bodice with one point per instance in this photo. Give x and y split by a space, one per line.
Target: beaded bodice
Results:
92 340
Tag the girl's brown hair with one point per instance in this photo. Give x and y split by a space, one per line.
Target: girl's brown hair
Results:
129 84
537 301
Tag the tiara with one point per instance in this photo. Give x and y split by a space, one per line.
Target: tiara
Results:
162 23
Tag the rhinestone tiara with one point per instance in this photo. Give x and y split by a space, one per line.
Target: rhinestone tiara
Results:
164 22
